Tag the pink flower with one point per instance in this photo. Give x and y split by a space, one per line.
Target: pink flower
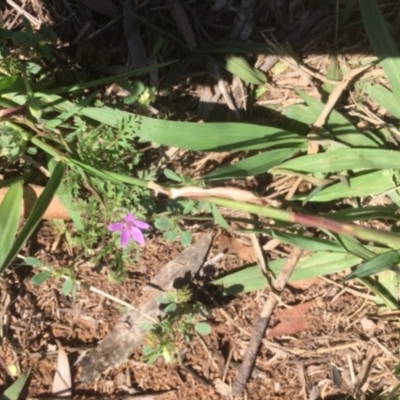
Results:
130 228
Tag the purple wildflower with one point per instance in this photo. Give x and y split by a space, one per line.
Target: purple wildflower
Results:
130 228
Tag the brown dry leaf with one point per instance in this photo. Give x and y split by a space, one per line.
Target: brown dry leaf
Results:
293 320
368 326
62 385
305 283
195 192
232 245
31 193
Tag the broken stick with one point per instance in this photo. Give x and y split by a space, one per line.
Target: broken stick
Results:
262 323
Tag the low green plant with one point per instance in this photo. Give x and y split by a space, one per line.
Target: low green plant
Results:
13 392
183 318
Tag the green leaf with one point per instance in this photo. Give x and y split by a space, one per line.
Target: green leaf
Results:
33 261
67 286
353 246
203 328
305 242
10 211
172 175
163 223
36 214
382 43
373 183
11 84
344 159
338 125
218 218
384 97
15 390
377 264
188 135
240 67
251 166
40 277
186 238
319 263
170 235
72 111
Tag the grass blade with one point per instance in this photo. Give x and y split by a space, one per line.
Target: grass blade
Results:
376 264
14 391
320 263
251 166
35 217
344 159
10 212
382 43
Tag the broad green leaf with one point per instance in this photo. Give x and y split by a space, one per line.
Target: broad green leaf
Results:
200 137
170 236
36 214
251 166
33 261
354 247
68 201
10 211
332 73
186 238
240 67
373 183
164 223
71 112
172 175
67 286
188 135
305 242
11 84
219 219
382 43
339 126
40 277
366 213
376 264
388 282
203 328
384 97
344 159
319 263
15 390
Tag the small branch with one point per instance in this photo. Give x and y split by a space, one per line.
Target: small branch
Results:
262 323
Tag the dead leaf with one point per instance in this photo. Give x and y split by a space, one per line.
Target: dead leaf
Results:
62 385
234 246
305 283
294 320
368 326
31 193
195 192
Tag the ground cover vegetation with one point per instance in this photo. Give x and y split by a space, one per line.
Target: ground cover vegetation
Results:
115 157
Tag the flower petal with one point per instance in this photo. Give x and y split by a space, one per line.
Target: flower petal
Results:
137 235
141 224
129 218
125 236
116 226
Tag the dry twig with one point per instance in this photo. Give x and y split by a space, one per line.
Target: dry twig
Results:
262 323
